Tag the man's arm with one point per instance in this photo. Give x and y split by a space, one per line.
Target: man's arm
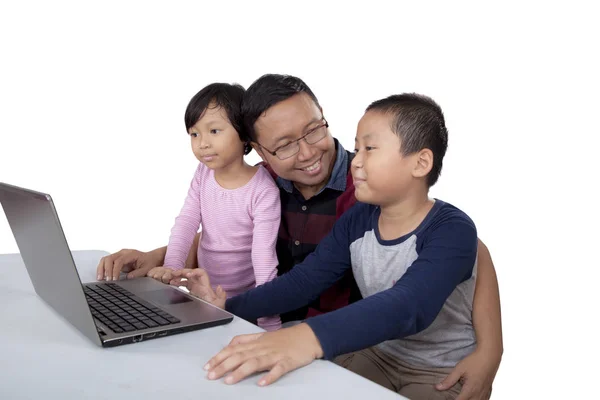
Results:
487 319
138 263
478 370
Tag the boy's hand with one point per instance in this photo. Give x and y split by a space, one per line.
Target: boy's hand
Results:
278 352
135 262
198 283
161 274
477 372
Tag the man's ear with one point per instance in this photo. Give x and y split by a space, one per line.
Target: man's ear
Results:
423 164
259 151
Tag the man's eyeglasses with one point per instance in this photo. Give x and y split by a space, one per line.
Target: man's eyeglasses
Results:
292 148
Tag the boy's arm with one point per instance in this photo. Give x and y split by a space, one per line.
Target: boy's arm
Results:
447 259
412 304
304 283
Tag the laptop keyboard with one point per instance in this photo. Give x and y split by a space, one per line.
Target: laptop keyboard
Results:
122 311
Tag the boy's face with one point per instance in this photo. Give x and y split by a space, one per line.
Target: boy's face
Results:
382 175
215 142
287 121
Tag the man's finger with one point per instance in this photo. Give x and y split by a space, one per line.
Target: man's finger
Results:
450 380
466 393
117 266
100 269
108 267
139 272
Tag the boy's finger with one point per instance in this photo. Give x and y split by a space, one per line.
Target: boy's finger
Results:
241 339
218 358
281 368
233 361
249 367
221 293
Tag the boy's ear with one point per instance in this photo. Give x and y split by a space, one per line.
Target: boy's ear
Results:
424 163
259 150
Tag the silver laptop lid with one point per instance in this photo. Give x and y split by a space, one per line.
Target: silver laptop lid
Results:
46 255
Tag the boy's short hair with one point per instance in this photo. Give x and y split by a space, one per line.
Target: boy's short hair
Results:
267 91
420 124
226 96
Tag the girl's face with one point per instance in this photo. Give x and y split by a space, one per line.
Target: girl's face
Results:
215 142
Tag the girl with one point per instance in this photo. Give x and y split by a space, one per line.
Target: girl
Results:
236 204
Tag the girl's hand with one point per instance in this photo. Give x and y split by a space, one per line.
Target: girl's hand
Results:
161 274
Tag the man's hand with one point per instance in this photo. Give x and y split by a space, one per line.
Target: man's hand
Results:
476 372
198 283
161 274
278 352
135 262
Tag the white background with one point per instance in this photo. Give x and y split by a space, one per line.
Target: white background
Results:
92 97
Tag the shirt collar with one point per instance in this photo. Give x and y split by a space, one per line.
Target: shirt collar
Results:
337 180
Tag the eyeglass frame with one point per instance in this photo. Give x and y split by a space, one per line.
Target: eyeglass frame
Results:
297 141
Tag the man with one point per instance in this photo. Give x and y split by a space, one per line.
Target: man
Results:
290 133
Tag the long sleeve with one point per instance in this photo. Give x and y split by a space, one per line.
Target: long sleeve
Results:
186 225
304 283
412 304
266 218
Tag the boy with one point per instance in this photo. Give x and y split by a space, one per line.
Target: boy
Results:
412 257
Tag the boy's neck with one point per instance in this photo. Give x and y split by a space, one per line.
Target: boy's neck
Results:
234 175
404 216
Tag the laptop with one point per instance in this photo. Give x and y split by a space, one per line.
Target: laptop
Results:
108 313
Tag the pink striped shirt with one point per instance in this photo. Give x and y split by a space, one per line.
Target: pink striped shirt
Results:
239 231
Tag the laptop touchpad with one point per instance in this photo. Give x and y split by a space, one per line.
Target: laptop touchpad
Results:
166 296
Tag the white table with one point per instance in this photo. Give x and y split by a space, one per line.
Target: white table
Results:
42 356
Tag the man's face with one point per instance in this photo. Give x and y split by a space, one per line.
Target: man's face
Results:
286 122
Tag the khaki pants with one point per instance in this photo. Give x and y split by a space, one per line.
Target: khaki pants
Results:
416 383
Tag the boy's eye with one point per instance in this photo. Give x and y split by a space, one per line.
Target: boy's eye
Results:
368 148
193 134
215 131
